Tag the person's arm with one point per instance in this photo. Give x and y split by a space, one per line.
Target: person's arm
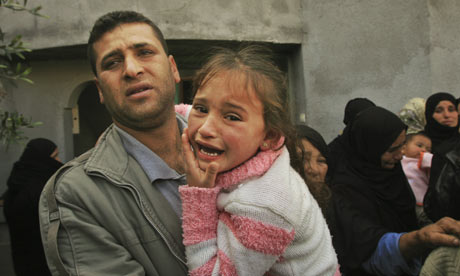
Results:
387 258
230 240
81 243
444 232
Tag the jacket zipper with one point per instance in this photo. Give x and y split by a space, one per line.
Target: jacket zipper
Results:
135 192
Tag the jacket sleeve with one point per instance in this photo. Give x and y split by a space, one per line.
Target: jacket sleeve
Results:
83 246
232 241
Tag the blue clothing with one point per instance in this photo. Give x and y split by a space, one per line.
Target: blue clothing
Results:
165 179
387 259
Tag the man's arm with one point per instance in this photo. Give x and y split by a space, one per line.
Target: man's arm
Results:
74 241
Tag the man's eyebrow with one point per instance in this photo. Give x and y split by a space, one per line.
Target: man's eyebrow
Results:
140 45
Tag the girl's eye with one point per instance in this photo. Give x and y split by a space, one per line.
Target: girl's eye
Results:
452 109
438 110
233 118
200 109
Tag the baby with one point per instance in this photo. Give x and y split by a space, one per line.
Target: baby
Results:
416 164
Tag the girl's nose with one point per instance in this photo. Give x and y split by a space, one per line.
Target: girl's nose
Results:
209 127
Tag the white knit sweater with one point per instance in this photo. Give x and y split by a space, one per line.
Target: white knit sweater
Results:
260 219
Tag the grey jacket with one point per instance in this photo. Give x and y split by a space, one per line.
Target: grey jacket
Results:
100 215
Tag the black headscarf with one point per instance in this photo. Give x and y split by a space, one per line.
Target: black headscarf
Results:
25 184
336 146
34 165
368 200
314 137
443 138
354 106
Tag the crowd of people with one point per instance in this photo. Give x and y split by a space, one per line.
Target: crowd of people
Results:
229 185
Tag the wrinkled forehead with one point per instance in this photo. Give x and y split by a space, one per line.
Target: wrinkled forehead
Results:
126 35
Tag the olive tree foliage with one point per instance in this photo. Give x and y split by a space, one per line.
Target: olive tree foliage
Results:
12 69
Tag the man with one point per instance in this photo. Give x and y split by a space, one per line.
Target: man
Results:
115 210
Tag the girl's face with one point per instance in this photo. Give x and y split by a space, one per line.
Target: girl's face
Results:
226 123
315 164
416 145
446 114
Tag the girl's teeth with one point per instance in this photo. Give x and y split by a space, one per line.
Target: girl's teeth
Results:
209 153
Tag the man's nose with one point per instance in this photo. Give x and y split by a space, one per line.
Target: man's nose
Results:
132 67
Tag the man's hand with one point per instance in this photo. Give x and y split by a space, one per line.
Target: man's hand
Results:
445 232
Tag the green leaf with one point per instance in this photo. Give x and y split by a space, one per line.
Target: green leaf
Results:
27 71
26 80
20 55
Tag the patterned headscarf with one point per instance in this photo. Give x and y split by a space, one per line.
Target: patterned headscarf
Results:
413 115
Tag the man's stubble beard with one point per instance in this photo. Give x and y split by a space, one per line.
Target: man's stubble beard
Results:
141 120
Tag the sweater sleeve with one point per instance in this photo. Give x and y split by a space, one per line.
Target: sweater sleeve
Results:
232 241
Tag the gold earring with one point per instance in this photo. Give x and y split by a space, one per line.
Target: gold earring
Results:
265 145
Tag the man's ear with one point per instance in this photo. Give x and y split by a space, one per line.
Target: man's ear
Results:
270 141
174 69
101 96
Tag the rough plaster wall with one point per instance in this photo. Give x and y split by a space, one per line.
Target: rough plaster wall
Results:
445 45
376 49
69 22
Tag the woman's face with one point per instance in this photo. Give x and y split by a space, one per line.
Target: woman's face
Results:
315 165
55 155
446 114
394 153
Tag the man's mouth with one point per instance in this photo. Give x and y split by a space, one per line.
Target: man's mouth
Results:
137 89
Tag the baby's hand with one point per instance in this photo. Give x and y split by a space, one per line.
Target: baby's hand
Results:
196 177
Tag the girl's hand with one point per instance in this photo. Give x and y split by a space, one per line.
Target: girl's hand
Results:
196 177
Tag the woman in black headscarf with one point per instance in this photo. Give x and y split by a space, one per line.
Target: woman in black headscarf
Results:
37 164
315 153
314 157
336 146
442 127
375 228
442 122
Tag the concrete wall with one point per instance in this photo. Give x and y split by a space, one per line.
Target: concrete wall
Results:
374 49
445 45
69 21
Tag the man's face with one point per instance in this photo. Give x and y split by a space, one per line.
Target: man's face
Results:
135 78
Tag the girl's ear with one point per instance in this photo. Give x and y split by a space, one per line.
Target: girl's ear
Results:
270 141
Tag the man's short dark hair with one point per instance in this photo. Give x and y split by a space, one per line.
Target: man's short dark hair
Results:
110 21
